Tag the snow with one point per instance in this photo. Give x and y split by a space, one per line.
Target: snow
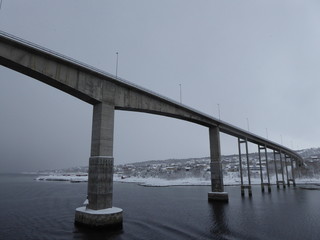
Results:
219 193
307 180
86 202
112 210
229 179
158 182
70 178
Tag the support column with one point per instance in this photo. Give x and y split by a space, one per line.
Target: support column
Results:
240 166
282 170
275 168
263 184
267 168
244 186
260 164
275 153
99 211
217 189
292 174
286 167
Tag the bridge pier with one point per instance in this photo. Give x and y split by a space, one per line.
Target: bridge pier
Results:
292 173
244 186
279 182
282 170
263 184
99 212
286 167
217 189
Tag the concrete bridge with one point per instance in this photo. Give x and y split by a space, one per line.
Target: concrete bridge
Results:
108 93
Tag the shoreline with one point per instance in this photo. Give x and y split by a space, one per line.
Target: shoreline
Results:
158 182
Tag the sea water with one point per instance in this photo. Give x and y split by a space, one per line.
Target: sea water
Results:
32 209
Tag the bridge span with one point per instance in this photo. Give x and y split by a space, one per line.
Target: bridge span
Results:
108 93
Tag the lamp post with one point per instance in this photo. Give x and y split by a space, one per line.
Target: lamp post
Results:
219 110
117 62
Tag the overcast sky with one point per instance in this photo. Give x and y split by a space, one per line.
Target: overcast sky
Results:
259 60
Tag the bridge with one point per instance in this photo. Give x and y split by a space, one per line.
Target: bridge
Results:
108 93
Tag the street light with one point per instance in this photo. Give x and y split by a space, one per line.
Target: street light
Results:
117 64
219 110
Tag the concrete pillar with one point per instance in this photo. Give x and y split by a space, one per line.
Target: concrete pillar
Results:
282 170
99 211
292 172
275 153
244 186
260 162
100 178
263 184
267 168
248 168
217 189
275 168
286 167
240 166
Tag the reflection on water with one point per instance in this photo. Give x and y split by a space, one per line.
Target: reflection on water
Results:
219 221
89 234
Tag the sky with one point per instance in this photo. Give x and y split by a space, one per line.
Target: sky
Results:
256 61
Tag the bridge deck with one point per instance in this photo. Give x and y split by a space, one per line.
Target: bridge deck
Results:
198 117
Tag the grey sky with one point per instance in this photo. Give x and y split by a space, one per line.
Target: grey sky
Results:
257 59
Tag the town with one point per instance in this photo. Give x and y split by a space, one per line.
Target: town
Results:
200 167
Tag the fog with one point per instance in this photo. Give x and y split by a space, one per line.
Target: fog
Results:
257 60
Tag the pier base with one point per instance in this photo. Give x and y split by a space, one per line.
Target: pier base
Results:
266 185
243 187
103 218
281 183
293 182
218 196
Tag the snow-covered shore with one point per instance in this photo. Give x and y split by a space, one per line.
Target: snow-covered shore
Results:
68 178
158 182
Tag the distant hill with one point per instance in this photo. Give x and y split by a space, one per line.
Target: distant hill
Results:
311 155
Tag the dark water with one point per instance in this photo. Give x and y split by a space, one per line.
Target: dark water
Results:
45 210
